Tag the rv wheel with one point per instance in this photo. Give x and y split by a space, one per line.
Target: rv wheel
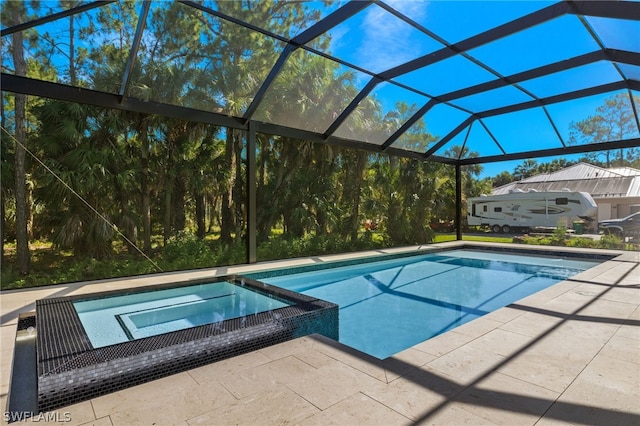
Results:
506 229
496 228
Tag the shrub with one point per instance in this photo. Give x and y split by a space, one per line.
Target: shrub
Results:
282 248
186 251
611 241
559 236
582 242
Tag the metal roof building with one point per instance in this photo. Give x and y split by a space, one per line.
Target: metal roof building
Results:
616 190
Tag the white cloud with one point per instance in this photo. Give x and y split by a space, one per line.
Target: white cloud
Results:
388 41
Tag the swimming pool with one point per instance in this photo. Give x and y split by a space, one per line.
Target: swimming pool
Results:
391 305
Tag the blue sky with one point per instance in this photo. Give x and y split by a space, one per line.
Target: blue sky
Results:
376 40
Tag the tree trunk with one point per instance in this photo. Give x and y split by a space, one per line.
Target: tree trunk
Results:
145 188
23 260
167 216
361 159
200 215
178 201
168 187
238 188
72 53
226 213
214 212
285 172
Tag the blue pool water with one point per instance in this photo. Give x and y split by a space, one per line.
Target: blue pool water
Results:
119 319
389 306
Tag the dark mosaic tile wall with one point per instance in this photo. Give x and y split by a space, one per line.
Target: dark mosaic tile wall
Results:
26 320
70 370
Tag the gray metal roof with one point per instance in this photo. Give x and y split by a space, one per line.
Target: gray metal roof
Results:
597 181
634 187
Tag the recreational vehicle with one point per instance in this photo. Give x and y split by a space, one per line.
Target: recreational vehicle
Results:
525 210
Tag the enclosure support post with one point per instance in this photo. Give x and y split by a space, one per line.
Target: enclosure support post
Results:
251 193
458 203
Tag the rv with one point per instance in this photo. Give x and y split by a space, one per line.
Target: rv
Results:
533 209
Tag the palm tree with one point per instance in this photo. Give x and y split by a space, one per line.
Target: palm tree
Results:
78 150
526 169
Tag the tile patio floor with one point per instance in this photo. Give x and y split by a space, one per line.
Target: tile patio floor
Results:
569 354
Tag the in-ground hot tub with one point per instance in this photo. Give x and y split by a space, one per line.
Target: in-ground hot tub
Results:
95 344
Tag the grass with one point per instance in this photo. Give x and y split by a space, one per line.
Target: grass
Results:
442 238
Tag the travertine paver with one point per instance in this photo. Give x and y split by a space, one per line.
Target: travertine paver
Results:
569 354
467 363
81 414
402 363
357 360
606 393
507 400
533 324
501 342
263 377
326 390
229 366
170 400
357 409
444 343
280 405
543 369
452 413
630 330
479 327
622 348
416 393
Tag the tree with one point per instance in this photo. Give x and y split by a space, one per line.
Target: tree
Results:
612 121
6 176
240 62
503 178
526 169
77 147
471 185
16 13
555 165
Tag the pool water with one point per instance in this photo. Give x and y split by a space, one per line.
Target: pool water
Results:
389 306
118 319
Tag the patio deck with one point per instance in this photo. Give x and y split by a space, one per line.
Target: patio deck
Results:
569 354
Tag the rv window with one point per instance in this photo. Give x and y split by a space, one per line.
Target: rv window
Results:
497 209
562 201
